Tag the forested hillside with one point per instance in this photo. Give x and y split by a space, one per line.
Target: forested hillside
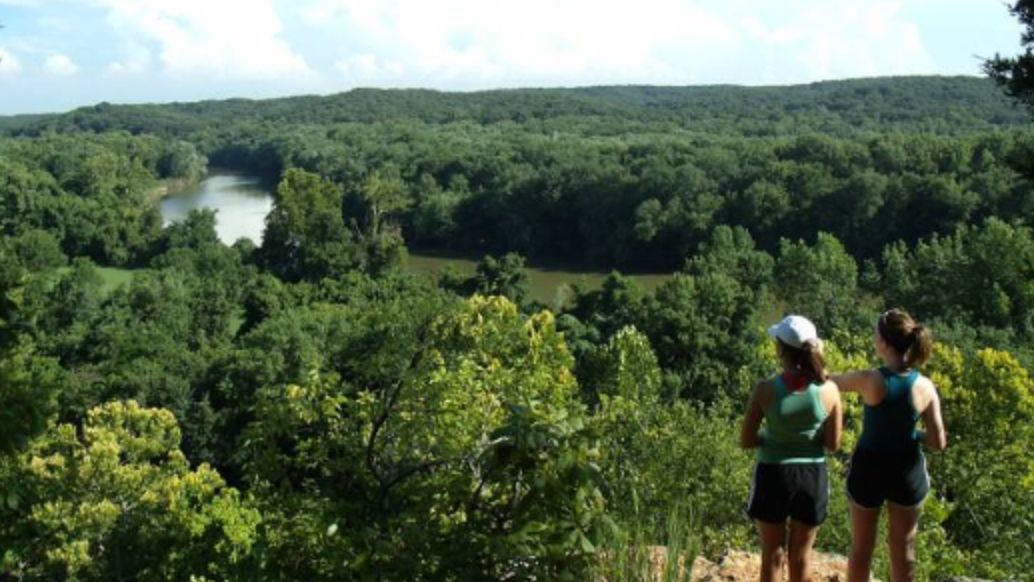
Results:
945 105
306 408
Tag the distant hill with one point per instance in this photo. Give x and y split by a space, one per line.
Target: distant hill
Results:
942 105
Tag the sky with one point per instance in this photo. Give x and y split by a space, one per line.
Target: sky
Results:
56 55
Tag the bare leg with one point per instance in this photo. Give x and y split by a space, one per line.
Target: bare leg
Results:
802 538
901 541
773 536
863 539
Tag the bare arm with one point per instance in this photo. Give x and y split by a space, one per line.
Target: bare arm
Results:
936 437
749 437
854 381
833 428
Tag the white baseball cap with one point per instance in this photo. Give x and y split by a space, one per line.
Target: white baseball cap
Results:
794 331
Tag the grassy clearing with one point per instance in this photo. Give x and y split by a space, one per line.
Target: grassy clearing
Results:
112 277
550 286
115 278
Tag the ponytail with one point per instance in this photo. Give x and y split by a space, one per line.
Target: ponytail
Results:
922 346
912 341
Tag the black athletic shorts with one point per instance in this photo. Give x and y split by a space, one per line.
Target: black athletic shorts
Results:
874 478
799 491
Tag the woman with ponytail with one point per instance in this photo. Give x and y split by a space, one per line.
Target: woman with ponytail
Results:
802 414
888 463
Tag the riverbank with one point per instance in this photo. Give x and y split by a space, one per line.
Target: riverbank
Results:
170 186
241 202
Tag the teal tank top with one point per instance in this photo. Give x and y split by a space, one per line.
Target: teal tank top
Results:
887 428
792 426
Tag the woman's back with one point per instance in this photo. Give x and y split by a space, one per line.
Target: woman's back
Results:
793 421
888 428
888 466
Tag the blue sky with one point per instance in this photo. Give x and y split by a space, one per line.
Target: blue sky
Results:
59 54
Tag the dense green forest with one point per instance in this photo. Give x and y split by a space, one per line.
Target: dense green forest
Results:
944 105
626 177
307 408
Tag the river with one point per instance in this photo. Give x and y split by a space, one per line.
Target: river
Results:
242 202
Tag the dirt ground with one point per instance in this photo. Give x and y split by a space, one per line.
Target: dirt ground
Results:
743 567
737 566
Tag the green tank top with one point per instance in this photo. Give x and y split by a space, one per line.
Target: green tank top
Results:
792 426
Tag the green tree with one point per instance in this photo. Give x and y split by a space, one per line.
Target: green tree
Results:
659 457
985 478
703 330
305 236
731 252
181 160
383 193
1016 74
37 250
819 281
471 463
978 275
506 276
616 304
119 500
27 381
196 231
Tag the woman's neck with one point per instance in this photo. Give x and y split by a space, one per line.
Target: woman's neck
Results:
895 364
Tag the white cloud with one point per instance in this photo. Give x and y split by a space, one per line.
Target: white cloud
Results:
847 39
499 43
367 66
239 39
119 68
59 65
468 43
135 59
9 64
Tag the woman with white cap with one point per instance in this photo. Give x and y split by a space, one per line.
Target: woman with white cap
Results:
802 416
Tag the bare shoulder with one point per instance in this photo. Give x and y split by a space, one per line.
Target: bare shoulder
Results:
830 393
923 392
764 392
764 387
924 383
830 388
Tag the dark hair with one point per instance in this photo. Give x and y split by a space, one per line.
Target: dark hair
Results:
908 337
807 359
